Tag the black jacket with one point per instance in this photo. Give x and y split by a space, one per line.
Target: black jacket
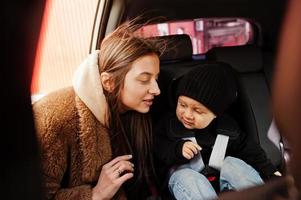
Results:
170 131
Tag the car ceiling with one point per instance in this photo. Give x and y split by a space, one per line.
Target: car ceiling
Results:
267 13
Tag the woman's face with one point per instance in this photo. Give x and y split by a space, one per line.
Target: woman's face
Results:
140 84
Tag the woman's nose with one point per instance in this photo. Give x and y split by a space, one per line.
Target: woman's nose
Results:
154 90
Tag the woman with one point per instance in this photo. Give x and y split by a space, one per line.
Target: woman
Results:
95 138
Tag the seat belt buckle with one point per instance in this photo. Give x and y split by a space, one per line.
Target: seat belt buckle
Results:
211 178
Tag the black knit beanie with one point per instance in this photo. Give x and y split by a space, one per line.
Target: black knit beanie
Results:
213 85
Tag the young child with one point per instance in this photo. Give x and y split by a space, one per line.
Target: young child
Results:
199 138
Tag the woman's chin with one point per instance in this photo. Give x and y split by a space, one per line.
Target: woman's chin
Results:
142 109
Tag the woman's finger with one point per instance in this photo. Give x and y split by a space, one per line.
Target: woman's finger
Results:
122 165
123 168
117 159
124 178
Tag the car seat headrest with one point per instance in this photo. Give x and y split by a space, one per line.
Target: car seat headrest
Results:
179 48
242 58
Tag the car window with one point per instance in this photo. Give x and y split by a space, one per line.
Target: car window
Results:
205 33
63 44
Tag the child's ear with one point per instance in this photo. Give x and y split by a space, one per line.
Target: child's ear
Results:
107 81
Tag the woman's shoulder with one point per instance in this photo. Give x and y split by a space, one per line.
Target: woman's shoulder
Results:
56 118
56 107
52 97
56 99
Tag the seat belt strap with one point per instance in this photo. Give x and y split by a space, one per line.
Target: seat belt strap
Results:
218 152
216 158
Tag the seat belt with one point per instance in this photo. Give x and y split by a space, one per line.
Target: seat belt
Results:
216 158
218 152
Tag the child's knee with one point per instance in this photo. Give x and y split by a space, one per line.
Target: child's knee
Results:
187 176
182 174
232 165
239 173
187 182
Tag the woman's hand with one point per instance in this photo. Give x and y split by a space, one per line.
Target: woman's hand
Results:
112 176
190 149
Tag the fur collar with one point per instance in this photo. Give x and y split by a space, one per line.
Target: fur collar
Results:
87 86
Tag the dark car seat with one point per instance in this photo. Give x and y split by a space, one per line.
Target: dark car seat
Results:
251 110
174 63
255 76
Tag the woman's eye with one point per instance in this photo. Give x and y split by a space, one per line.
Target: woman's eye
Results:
144 81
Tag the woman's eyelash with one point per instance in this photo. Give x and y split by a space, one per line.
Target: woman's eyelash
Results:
144 81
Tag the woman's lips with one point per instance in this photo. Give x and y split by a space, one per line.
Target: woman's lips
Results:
148 102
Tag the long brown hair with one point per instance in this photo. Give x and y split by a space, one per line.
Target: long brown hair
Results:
131 132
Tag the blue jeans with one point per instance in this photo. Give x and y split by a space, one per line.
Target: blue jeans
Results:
235 174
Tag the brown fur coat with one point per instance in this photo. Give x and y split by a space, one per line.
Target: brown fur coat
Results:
74 145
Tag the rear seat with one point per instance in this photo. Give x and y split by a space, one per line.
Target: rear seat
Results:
252 108
255 94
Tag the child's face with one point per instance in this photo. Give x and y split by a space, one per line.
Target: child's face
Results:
193 114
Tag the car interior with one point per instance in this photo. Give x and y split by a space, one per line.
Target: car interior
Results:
251 109
254 61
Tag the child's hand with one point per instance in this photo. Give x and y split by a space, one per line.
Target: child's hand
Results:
190 149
